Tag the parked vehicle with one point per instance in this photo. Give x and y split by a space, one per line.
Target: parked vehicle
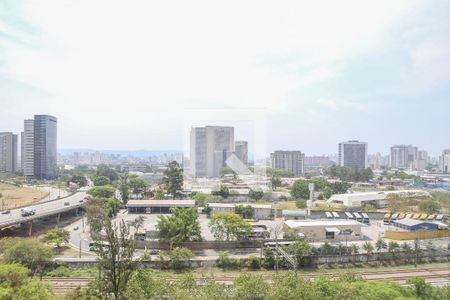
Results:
28 211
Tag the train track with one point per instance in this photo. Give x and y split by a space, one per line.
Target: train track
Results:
436 275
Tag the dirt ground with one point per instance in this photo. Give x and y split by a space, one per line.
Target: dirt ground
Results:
18 196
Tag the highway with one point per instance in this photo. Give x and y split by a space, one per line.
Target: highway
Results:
43 210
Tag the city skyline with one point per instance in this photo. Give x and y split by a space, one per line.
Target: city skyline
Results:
377 72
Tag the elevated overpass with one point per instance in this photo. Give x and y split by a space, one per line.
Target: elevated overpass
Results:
43 210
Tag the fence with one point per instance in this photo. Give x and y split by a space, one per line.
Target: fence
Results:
421 234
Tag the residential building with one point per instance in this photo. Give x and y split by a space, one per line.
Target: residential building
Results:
241 151
404 157
353 154
45 151
210 147
292 161
8 152
27 146
445 161
422 160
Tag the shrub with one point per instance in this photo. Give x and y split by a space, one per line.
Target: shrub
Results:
254 262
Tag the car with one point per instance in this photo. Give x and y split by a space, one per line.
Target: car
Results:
66 203
5 212
75 228
154 252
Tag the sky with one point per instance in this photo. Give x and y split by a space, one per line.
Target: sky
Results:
131 75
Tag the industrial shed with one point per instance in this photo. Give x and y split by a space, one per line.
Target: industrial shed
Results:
414 225
322 230
157 206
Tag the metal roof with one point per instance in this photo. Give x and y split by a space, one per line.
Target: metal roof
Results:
161 203
327 223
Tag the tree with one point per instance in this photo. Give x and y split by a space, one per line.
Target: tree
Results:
101 181
354 249
179 227
104 170
106 191
123 188
380 244
300 249
255 194
392 247
200 198
422 289
245 212
430 206
137 185
159 194
115 258
223 191
300 203
327 192
291 234
179 256
80 180
368 247
276 182
173 179
226 226
250 287
300 189
57 236
28 252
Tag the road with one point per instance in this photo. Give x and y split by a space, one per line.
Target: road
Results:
43 209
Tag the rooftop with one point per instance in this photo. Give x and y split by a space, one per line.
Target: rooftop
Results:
161 203
232 205
328 223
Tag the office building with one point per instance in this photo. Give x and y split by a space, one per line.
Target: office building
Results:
27 146
422 160
404 157
292 161
445 161
45 151
8 152
241 151
353 154
210 147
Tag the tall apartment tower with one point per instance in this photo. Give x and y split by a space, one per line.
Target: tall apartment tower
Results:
8 152
292 161
210 147
45 152
241 151
422 160
404 157
353 154
445 161
27 155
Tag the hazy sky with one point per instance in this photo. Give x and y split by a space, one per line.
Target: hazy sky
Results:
124 74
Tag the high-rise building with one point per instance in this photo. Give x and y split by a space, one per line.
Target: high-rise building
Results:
45 152
404 157
292 161
27 146
8 152
353 154
422 160
445 161
210 147
241 151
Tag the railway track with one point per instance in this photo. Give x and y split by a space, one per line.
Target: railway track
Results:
435 275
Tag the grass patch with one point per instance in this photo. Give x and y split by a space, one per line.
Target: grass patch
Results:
14 196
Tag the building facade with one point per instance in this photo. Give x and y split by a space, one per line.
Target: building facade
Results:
45 147
422 160
403 157
241 151
292 161
8 152
210 147
353 154
445 161
27 146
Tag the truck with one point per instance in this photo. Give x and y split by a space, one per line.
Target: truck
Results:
28 211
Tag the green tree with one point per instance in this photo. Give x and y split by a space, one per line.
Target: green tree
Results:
300 249
179 227
327 192
159 194
137 185
173 179
115 258
200 198
57 236
250 287
276 182
300 203
223 191
368 247
255 194
226 226
179 256
104 170
421 289
245 212
80 180
106 191
430 206
101 180
300 189
29 252
124 188
380 244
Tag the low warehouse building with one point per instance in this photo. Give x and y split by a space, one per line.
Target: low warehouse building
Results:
322 230
260 211
378 199
157 206
291 214
414 225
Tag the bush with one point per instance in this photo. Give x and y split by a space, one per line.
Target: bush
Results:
61 271
254 262
300 203
224 261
